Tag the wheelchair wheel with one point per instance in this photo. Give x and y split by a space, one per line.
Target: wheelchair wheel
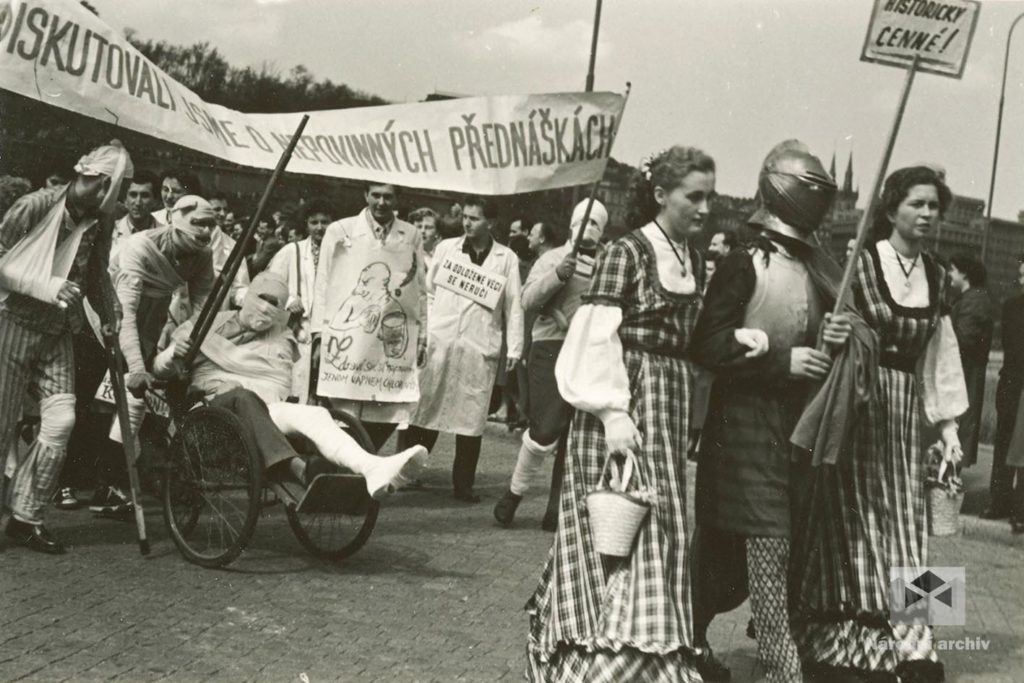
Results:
336 535
212 489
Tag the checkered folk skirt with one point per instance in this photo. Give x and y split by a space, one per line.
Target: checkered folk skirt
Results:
594 619
861 522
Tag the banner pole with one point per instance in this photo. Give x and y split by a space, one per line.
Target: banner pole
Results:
593 188
227 274
843 294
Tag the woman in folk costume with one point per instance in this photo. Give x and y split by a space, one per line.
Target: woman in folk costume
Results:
597 619
757 332
53 246
552 293
869 514
297 263
245 366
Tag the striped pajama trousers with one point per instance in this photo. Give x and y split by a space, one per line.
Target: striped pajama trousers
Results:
40 366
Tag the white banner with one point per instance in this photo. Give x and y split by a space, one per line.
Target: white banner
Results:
938 32
470 281
59 53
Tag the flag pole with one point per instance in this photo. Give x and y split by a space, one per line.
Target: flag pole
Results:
843 295
227 274
597 183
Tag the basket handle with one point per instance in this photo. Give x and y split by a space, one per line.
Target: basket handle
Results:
627 471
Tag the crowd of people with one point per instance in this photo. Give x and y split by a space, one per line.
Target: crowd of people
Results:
809 424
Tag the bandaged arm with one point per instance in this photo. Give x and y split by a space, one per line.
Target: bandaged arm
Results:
129 293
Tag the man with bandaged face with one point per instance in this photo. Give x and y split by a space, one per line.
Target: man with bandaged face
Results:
147 270
54 249
245 366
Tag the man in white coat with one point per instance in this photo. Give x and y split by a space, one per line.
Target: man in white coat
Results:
296 264
464 339
350 245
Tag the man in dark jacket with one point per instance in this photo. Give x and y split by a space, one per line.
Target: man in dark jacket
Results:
973 320
1008 391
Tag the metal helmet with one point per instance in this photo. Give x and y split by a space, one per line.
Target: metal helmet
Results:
795 191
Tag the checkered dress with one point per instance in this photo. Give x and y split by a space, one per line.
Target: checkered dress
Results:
864 520
594 619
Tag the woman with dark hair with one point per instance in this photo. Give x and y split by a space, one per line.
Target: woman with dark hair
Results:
974 319
875 517
594 618
296 263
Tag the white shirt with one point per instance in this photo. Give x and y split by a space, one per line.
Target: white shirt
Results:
912 291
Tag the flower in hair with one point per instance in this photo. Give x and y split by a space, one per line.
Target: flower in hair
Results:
647 163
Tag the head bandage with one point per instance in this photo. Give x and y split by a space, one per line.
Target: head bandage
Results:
111 161
259 314
598 214
186 215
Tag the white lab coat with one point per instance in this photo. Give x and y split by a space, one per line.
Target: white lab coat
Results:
294 263
464 344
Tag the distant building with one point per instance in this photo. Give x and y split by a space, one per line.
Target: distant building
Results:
840 225
1005 249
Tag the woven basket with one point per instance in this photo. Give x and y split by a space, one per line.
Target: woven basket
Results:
944 507
944 512
615 516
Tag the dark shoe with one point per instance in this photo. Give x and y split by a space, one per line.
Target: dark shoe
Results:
110 500
921 672
505 508
34 537
467 496
994 513
65 499
550 521
711 668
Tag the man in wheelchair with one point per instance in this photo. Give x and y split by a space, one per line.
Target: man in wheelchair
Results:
245 366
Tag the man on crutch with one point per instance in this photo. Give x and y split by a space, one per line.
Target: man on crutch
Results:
53 251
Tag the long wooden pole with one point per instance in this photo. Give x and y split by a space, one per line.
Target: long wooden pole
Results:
227 274
843 295
597 183
115 363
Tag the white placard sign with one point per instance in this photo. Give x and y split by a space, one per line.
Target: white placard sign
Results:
938 32
471 281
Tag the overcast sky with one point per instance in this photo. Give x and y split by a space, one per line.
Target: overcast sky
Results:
730 76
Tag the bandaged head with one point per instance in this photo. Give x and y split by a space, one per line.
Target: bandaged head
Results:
596 223
111 161
192 220
257 312
795 191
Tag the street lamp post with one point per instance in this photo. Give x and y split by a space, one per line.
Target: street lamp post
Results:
995 153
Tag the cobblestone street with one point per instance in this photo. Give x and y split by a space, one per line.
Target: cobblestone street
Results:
436 595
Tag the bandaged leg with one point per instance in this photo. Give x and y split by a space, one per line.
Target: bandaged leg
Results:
382 474
767 566
37 476
530 464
